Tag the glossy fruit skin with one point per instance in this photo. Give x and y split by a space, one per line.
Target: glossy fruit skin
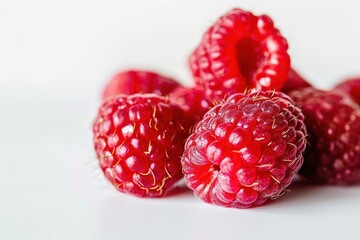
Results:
138 142
193 102
240 51
245 150
333 123
138 81
294 82
351 87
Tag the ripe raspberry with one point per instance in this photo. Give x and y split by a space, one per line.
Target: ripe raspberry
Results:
245 150
136 81
333 123
139 142
294 82
352 88
193 102
240 51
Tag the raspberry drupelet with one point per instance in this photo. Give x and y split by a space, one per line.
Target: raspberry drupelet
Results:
139 141
245 150
139 81
193 102
351 87
294 82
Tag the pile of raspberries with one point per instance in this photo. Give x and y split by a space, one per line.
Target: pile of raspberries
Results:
240 135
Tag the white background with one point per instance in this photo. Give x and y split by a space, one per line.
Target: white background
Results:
55 56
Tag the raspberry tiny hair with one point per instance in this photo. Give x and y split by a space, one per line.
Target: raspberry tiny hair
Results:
138 141
240 51
139 81
351 87
245 150
333 123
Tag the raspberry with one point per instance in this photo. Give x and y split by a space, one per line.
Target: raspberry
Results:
333 123
294 82
352 88
193 102
240 51
136 81
245 150
139 142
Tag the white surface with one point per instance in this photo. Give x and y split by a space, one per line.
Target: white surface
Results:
54 58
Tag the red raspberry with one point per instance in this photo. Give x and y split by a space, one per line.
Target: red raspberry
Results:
240 51
136 81
294 82
194 103
245 150
333 123
352 88
139 142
